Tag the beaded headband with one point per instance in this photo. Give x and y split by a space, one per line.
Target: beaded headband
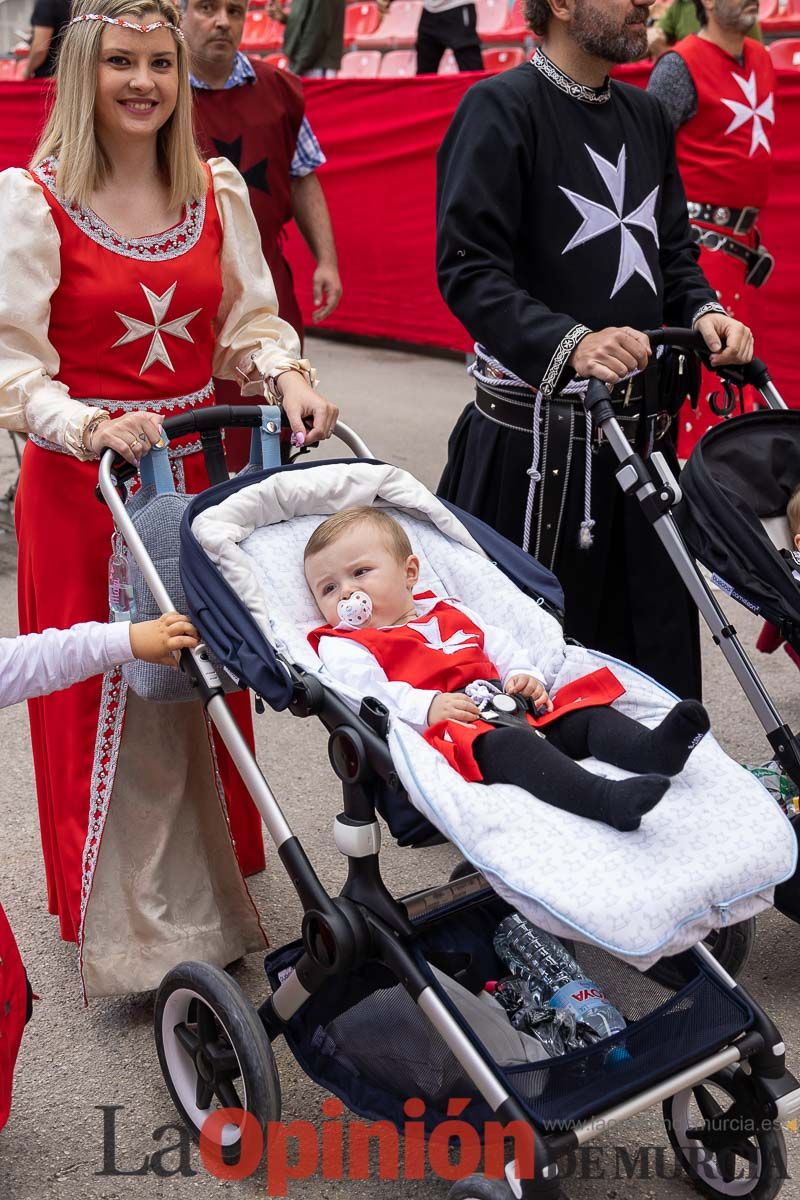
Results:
127 24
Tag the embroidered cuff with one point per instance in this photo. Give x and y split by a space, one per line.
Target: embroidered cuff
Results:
76 432
560 358
256 380
712 306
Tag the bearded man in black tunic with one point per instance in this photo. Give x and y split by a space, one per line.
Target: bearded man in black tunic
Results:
562 233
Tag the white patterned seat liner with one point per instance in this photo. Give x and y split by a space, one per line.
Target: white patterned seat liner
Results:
708 855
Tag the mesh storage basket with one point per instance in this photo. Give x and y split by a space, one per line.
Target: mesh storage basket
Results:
363 1038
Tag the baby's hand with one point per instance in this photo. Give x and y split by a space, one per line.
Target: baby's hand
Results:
531 688
161 641
452 706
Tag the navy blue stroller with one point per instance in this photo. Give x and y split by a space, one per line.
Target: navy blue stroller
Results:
358 997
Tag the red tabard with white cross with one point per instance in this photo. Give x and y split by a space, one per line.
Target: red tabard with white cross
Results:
445 663
725 150
157 337
446 660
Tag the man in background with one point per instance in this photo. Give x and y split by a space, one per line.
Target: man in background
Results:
47 20
254 115
313 40
679 21
718 87
448 25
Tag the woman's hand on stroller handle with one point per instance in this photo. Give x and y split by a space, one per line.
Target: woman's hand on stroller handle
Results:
131 436
307 412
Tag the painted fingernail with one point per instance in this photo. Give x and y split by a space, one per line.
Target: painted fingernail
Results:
298 439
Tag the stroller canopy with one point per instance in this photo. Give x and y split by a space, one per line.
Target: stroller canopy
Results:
741 474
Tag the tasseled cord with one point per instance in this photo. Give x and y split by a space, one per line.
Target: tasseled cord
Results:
585 535
577 387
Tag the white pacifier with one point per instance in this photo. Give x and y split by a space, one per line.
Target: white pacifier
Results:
356 610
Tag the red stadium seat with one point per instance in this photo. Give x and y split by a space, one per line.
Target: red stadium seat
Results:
8 69
397 64
399 26
492 16
360 20
360 64
784 17
785 53
278 60
448 64
502 59
261 32
766 9
513 30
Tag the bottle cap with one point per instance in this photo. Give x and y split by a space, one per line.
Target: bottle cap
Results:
618 1054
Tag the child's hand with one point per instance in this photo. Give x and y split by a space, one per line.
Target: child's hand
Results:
452 706
531 689
161 641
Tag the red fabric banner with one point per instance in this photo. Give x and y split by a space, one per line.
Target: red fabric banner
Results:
381 138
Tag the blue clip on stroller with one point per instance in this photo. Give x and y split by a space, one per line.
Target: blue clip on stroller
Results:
359 996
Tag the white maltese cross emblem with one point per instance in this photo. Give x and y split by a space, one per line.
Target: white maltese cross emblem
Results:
752 111
432 634
599 219
159 306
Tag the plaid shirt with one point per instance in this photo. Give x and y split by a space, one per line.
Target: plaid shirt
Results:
308 152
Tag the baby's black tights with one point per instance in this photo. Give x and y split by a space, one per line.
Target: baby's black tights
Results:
546 767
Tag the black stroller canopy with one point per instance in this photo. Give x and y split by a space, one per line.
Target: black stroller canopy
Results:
743 472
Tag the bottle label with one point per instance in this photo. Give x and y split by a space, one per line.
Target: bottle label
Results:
581 995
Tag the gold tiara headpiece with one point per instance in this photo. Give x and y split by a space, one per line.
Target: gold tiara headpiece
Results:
127 24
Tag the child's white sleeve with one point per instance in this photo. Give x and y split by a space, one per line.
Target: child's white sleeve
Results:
38 663
506 653
353 665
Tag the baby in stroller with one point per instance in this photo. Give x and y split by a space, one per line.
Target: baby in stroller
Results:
475 694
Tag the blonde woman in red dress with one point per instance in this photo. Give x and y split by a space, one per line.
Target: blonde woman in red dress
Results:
131 275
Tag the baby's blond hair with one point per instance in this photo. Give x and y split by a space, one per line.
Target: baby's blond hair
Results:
793 511
334 527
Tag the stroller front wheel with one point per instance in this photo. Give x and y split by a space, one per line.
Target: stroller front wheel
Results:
479 1187
723 1141
214 1052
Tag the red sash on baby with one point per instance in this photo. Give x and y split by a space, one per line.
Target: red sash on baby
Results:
444 651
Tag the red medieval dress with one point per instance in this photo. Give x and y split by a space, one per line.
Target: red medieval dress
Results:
256 125
725 157
139 807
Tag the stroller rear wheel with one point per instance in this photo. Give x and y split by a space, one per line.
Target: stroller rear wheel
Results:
730 946
723 1140
214 1052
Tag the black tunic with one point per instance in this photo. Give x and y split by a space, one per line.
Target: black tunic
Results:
560 211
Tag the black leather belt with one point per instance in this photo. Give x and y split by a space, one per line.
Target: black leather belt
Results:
758 262
738 220
516 412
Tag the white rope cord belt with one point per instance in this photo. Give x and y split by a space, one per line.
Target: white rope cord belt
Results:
502 378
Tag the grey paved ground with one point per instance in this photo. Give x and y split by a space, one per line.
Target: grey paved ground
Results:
74 1060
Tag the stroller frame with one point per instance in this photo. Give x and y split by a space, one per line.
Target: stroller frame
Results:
339 933
658 497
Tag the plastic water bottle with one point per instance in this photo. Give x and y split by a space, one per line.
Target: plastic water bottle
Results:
121 601
555 979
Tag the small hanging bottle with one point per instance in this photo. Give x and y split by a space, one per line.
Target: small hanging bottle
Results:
121 601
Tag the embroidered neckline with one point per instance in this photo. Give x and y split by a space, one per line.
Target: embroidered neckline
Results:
560 79
154 247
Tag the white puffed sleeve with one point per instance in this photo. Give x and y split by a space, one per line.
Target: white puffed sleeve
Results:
249 331
30 270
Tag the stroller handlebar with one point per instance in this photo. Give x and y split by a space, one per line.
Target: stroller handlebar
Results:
755 372
210 421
